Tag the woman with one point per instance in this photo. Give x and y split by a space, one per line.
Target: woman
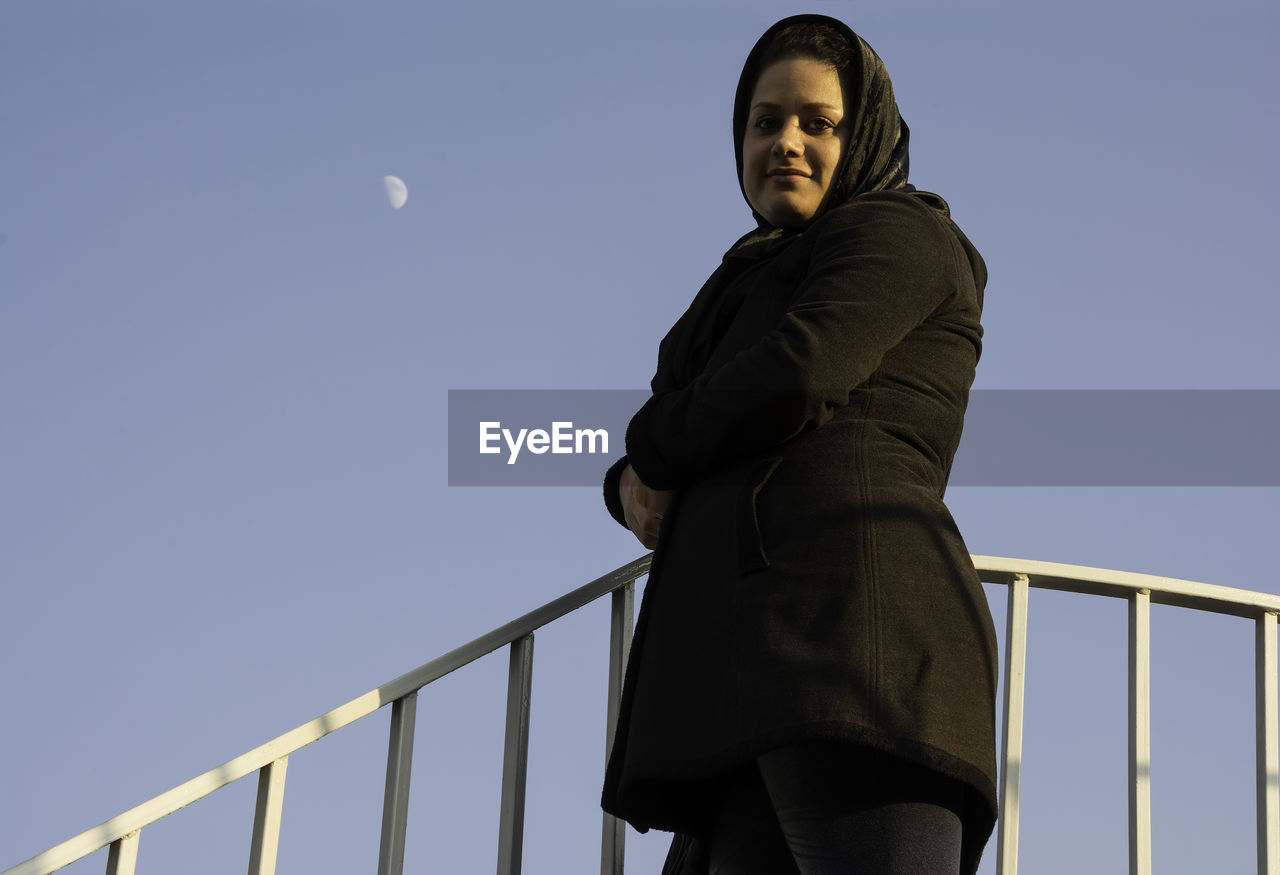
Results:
812 680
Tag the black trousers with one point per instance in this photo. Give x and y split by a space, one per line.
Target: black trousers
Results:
827 808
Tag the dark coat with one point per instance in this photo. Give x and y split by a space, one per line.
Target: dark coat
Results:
809 583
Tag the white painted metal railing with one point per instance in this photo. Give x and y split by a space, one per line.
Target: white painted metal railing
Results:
1140 590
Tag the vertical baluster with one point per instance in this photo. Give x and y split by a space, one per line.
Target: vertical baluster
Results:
1267 679
1015 673
395 798
266 818
123 855
613 840
1140 733
515 757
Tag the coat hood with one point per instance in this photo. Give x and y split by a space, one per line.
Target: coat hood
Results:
876 159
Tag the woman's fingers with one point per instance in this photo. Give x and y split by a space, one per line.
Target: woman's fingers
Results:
642 507
642 521
649 533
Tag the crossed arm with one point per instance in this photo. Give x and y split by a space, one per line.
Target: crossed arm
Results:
878 269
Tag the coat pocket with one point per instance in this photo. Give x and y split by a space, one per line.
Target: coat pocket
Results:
751 552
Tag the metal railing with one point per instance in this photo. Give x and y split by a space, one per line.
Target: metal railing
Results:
1141 591
270 760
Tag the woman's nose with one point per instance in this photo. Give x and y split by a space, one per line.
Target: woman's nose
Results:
788 141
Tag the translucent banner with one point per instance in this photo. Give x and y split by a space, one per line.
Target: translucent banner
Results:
1012 437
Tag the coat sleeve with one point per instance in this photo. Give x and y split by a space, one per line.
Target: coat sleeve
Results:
612 500
879 267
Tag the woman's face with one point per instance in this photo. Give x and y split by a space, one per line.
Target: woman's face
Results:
794 140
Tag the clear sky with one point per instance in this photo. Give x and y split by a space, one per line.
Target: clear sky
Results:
224 362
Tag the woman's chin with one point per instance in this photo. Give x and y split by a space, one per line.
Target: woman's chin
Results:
786 214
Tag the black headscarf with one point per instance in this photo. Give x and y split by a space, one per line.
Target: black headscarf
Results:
876 159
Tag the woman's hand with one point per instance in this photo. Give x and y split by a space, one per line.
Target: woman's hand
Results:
643 507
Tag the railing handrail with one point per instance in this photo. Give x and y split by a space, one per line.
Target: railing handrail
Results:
197 788
991 569
1087 580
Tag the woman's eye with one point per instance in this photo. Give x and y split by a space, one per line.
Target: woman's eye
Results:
769 124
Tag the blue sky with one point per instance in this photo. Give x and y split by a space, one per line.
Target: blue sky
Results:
224 362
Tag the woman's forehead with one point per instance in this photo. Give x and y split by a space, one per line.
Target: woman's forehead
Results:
807 79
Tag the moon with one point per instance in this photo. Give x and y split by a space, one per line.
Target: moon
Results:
397 192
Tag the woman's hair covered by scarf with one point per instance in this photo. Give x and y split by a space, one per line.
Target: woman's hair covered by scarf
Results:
876 159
